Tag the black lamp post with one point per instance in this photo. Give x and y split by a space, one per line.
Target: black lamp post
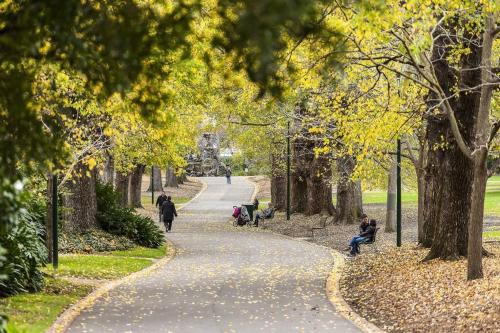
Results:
55 234
152 186
398 195
288 192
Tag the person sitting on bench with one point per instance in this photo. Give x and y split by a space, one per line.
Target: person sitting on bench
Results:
267 213
364 237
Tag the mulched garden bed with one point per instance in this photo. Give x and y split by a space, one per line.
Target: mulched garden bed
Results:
399 293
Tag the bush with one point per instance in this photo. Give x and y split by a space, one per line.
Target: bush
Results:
26 252
93 241
123 221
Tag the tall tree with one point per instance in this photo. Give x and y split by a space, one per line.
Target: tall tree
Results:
80 200
155 185
135 188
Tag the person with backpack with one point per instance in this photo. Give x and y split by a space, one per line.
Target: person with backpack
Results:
168 212
228 174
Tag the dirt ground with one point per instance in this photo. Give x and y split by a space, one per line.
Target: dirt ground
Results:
188 190
394 289
264 186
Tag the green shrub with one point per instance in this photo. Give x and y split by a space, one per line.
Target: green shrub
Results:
26 252
146 232
124 221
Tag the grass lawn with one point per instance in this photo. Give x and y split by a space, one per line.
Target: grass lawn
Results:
491 203
492 234
99 266
34 313
142 252
146 199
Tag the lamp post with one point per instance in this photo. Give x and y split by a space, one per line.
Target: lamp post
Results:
398 196
55 241
152 186
288 192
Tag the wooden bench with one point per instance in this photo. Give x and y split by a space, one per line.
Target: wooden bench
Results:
322 222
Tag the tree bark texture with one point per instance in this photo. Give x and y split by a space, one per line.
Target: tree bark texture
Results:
122 187
449 172
156 185
348 207
135 191
108 172
171 180
79 201
481 143
420 210
311 189
278 180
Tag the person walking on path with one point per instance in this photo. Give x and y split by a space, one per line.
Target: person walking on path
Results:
168 212
228 175
159 202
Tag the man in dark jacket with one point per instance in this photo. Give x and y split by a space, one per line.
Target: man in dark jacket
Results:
159 202
168 212
365 236
228 174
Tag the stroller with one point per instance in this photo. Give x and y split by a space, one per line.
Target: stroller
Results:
241 216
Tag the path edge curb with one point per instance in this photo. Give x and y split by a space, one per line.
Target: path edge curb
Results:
335 297
332 286
203 188
64 320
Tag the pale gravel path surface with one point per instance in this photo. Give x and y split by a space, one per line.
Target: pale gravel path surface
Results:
223 279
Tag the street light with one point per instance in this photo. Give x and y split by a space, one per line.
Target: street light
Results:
288 192
152 186
398 195
55 257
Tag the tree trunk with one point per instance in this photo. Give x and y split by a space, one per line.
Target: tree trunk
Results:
171 180
108 172
420 210
122 187
80 201
278 176
358 196
475 245
482 137
182 178
135 192
390 217
348 193
454 170
278 192
157 187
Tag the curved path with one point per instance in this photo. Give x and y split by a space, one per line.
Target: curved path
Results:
223 279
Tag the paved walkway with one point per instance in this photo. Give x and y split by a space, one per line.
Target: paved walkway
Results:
223 279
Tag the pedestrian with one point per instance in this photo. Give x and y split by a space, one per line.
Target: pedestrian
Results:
168 212
228 174
159 201
255 204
